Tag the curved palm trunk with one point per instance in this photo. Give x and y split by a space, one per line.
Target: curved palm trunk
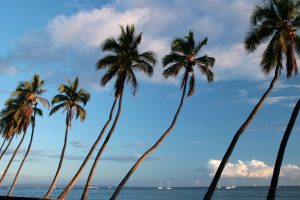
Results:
284 141
73 181
87 185
6 148
51 188
230 149
26 154
2 144
149 151
12 158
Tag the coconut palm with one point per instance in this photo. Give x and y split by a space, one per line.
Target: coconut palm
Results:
284 141
70 99
31 92
15 119
121 63
183 56
275 21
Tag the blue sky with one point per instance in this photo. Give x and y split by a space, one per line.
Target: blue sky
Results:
61 39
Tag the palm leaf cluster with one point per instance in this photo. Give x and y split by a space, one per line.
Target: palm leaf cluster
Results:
124 58
70 99
277 21
184 56
17 114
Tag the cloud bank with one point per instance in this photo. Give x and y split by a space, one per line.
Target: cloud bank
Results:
69 44
253 169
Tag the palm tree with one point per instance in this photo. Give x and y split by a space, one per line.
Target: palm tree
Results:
15 119
276 21
31 92
183 56
70 99
284 141
120 63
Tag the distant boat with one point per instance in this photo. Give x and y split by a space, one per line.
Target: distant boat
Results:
168 188
160 186
219 187
230 187
109 187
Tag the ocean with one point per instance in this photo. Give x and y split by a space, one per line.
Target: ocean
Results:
134 193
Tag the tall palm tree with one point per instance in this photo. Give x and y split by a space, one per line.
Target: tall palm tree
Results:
120 63
275 21
31 92
125 58
183 56
15 119
70 99
284 141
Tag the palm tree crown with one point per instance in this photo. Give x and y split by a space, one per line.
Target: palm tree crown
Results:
69 99
184 56
17 114
277 21
124 59
15 117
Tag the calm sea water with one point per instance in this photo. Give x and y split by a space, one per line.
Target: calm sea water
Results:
245 193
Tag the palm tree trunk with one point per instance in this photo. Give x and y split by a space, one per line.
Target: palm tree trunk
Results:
12 158
6 147
87 185
60 163
2 144
73 181
26 154
284 141
230 149
149 151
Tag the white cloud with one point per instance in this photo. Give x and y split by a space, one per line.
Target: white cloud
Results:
234 62
90 28
253 169
280 99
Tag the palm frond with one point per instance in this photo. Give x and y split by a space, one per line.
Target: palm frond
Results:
56 108
44 102
191 85
291 62
81 113
59 98
173 70
110 73
132 79
107 61
110 44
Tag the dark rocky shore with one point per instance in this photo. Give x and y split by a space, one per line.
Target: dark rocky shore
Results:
19 198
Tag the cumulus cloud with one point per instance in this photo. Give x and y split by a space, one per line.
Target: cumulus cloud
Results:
90 28
234 62
253 169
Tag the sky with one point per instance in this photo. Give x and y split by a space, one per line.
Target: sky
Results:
61 39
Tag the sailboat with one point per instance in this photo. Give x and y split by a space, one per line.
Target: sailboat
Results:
160 186
168 188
